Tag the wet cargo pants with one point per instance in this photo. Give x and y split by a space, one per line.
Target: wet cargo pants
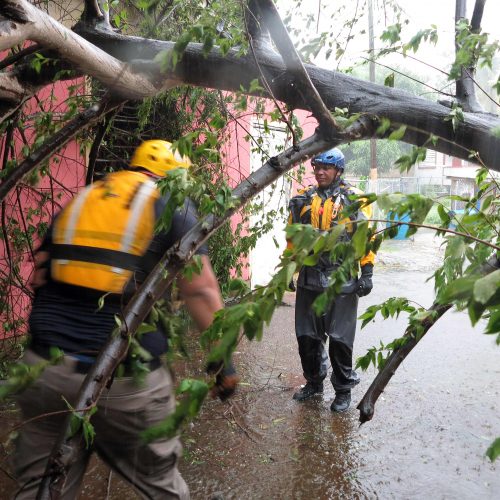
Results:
124 411
338 323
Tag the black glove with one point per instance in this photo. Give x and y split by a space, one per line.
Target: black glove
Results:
226 380
365 283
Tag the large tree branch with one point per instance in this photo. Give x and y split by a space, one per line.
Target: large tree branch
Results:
56 141
366 406
337 90
422 117
158 281
28 22
255 28
302 82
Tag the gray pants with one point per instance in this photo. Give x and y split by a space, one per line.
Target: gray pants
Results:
123 413
338 324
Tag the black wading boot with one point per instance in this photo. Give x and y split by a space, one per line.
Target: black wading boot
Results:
342 400
308 391
310 351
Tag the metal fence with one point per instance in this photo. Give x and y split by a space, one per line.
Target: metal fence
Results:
428 186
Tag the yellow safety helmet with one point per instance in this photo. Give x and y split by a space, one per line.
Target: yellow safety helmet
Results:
158 157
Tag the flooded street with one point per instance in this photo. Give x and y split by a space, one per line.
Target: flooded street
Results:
428 437
429 434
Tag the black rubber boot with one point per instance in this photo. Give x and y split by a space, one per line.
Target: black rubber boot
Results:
342 401
308 391
343 376
311 357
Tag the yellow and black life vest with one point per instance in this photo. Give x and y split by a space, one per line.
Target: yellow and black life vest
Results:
308 207
100 236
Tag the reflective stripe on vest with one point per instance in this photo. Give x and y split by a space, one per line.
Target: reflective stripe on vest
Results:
142 196
75 210
100 238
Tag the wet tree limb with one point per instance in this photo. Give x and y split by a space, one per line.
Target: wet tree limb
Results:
27 22
337 90
56 141
366 406
256 29
302 83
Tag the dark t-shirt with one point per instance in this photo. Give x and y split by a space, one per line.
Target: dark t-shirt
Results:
69 317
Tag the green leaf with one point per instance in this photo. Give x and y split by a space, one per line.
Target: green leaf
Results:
359 239
486 287
311 260
475 310
398 134
290 271
145 328
493 323
460 289
384 126
389 80
392 34
320 304
493 451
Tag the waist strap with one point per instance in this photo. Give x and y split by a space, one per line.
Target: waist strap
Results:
85 362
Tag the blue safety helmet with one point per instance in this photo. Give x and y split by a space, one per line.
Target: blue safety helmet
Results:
333 157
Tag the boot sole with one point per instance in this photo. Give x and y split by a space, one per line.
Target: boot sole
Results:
333 410
307 397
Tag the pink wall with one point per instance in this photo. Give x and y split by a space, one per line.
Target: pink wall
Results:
25 210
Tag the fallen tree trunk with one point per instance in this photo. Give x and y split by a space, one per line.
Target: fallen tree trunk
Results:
230 72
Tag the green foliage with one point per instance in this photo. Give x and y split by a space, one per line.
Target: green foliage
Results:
493 451
391 308
193 394
425 35
22 375
358 155
456 116
80 422
405 162
472 48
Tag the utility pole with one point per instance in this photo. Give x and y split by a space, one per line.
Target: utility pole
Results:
373 142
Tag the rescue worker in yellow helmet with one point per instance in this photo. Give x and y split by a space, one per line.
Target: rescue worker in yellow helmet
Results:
158 157
100 247
321 206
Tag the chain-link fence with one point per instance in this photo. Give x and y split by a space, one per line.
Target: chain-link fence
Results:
427 186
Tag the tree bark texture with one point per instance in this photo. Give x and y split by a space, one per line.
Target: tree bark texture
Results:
422 117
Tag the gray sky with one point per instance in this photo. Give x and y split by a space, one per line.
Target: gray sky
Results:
421 14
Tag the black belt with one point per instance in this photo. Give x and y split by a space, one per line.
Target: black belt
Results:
84 363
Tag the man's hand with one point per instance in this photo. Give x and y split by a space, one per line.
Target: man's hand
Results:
39 276
365 283
226 380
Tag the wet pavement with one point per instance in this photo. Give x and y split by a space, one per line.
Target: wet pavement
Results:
429 434
428 437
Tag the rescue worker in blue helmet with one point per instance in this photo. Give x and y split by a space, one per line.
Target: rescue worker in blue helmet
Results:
322 206
98 250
